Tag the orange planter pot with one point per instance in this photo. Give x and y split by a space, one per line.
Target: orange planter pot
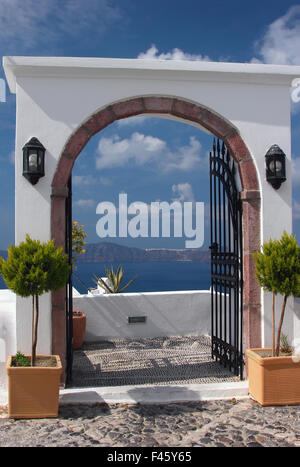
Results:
79 326
273 380
33 392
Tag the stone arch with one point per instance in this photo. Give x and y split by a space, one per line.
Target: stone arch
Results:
190 112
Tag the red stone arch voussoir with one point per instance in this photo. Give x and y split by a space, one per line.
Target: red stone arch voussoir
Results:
190 112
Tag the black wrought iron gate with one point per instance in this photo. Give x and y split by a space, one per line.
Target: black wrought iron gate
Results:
226 261
69 286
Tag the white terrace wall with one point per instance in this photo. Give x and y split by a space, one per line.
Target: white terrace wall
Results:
55 95
7 331
186 313
167 314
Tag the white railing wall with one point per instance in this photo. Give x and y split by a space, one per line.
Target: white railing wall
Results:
7 331
167 314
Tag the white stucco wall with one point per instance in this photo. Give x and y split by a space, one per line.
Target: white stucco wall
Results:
7 331
167 314
55 95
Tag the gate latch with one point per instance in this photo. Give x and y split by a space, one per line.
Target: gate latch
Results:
214 247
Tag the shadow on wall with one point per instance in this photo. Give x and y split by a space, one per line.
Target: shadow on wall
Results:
83 397
167 314
143 395
140 400
146 401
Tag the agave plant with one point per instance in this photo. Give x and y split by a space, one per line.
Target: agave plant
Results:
114 283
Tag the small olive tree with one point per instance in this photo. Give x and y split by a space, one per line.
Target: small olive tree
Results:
278 271
31 269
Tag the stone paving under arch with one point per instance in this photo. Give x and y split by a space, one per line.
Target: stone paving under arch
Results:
147 361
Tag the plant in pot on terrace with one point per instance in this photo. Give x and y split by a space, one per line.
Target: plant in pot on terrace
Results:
33 268
114 282
78 242
285 347
270 374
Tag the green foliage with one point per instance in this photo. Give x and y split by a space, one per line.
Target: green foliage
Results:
78 241
115 280
285 346
20 360
278 266
277 269
265 263
33 268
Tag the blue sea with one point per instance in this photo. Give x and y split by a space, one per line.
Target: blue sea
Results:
151 277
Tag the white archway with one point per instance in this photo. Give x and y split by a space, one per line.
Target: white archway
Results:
63 101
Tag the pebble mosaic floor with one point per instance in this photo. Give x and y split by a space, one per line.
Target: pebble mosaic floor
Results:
160 361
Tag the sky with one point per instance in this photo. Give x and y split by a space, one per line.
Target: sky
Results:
149 159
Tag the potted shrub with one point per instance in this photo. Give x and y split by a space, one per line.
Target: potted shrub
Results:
274 373
79 317
31 269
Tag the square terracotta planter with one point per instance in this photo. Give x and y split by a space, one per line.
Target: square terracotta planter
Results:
33 392
273 380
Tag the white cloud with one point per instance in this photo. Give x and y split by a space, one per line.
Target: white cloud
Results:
20 19
280 43
131 121
84 203
176 54
186 158
295 96
141 149
80 180
34 23
183 191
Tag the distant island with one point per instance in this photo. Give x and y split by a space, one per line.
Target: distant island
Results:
111 252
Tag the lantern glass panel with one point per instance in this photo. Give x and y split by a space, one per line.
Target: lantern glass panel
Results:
33 160
275 166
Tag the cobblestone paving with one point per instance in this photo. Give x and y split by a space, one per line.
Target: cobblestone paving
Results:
214 423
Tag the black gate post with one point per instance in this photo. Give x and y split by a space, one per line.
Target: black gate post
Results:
69 287
226 261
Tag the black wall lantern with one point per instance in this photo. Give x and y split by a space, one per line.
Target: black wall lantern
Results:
33 160
275 166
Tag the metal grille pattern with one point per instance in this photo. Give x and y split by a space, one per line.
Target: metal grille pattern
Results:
69 286
226 261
